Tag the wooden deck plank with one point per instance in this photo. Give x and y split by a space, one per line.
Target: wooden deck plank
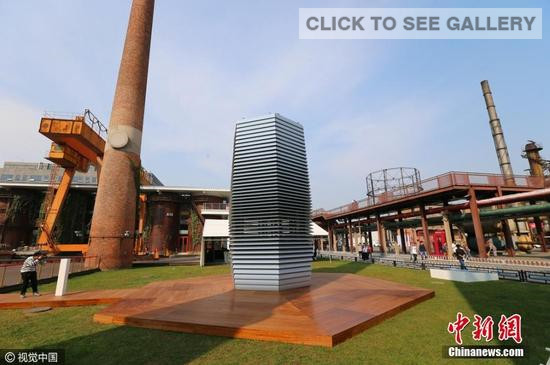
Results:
334 308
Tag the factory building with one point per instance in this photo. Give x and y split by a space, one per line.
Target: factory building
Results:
40 172
170 220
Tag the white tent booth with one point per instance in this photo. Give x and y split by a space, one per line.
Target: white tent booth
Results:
215 240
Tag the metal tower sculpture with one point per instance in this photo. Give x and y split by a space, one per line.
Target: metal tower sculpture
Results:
271 245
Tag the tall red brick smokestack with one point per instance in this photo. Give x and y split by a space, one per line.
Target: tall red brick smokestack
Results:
117 192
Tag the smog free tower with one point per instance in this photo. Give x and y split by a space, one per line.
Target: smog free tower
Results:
113 222
271 245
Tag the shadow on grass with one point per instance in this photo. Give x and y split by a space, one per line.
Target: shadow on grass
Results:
506 297
129 345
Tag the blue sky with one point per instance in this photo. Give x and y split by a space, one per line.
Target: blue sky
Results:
365 104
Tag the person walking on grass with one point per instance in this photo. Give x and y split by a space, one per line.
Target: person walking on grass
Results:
460 253
414 252
490 247
28 273
363 251
422 249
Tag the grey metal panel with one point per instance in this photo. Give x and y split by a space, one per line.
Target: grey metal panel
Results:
269 222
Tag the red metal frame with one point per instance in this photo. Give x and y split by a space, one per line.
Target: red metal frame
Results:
437 184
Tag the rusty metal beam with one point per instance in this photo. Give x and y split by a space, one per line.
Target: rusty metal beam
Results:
381 234
504 199
478 229
330 238
350 236
425 230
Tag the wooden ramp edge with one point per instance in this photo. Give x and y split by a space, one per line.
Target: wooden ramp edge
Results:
74 299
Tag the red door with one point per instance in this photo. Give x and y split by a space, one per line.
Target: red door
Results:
184 242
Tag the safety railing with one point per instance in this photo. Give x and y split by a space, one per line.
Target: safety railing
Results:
88 117
215 206
450 179
10 272
95 123
317 212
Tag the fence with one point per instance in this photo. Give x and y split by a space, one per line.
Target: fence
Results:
524 274
507 271
215 206
10 274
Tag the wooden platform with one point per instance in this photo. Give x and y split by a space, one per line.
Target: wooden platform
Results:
335 308
74 299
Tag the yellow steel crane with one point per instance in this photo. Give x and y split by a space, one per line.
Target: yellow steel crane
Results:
77 143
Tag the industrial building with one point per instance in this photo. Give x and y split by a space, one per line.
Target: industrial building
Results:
30 172
506 210
172 218
439 210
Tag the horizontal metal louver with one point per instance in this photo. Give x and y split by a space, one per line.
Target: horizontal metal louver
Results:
269 223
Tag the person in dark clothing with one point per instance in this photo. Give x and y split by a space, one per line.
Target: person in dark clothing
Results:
422 249
28 273
460 253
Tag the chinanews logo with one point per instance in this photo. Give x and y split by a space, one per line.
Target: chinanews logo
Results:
508 329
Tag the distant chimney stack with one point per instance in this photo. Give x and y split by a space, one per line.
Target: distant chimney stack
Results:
498 134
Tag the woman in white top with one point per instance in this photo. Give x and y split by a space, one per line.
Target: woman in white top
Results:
414 252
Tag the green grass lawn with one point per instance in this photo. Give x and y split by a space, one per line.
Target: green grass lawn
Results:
416 336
